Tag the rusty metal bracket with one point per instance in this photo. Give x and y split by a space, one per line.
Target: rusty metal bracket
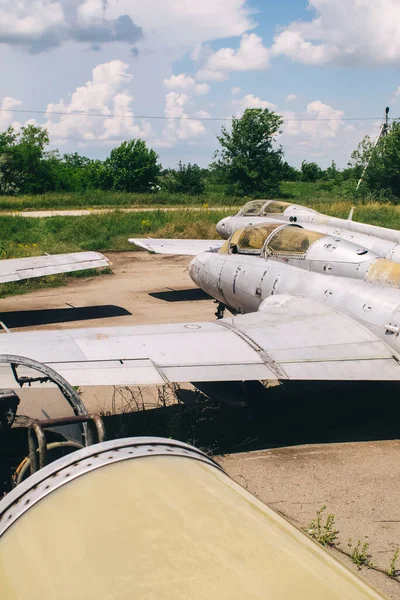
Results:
37 439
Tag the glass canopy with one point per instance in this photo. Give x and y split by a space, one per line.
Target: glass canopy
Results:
258 208
282 240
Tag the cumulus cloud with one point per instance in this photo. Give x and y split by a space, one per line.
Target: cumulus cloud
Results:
251 101
183 22
251 55
344 31
6 115
291 97
185 83
179 127
184 25
42 24
209 75
319 122
104 94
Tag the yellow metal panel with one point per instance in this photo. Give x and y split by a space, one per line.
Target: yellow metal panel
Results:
384 272
164 527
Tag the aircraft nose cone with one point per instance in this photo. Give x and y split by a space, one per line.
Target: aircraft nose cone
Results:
222 228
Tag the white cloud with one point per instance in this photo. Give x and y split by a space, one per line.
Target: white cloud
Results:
186 23
185 83
344 31
291 97
6 115
250 56
202 114
319 122
208 75
250 101
42 24
103 94
236 91
397 93
179 126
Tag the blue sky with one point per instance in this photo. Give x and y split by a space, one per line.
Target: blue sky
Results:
318 64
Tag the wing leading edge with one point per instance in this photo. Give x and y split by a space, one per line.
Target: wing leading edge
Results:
174 246
16 269
289 339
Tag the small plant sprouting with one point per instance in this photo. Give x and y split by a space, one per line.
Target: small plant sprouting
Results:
323 533
360 555
392 571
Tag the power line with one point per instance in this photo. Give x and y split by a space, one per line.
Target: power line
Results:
165 118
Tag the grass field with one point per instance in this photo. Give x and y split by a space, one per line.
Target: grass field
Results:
300 192
319 194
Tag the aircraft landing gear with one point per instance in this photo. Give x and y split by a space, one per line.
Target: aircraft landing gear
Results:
219 313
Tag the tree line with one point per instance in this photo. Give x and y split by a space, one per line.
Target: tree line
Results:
249 162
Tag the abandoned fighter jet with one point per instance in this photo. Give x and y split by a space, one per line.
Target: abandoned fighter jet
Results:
383 241
16 269
319 308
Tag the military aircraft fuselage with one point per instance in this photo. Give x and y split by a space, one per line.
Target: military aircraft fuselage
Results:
353 281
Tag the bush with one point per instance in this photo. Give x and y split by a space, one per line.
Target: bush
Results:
187 179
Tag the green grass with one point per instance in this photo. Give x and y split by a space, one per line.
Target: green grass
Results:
22 236
318 195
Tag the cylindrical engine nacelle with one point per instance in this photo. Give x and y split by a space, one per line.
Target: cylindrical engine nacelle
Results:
151 518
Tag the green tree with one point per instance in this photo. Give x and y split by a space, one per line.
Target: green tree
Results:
248 163
332 173
186 179
310 171
24 165
290 173
132 167
382 175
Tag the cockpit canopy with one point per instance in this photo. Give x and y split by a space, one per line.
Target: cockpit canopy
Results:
282 240
262 208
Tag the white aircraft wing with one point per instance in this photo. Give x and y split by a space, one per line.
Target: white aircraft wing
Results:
174 246
15 269
290 338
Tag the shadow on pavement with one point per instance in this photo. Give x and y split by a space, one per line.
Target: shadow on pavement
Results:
180 295
30 318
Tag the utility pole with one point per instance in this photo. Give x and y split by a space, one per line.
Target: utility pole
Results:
384 130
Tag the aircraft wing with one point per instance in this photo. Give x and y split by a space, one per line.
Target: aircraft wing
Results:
174 246
15 269
291 338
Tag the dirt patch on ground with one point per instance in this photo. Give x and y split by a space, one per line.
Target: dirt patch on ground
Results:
358 482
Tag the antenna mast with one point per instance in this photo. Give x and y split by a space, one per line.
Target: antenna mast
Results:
384 130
